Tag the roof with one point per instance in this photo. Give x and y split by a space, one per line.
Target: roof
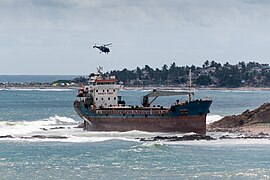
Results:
167 93
105 80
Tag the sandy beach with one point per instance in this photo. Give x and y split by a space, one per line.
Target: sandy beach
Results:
76 86
257 128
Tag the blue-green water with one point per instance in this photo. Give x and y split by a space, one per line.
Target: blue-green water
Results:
115 155
122 159
34 78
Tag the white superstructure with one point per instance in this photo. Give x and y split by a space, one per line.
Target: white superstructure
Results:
103 91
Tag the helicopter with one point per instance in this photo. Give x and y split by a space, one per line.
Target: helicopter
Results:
103 48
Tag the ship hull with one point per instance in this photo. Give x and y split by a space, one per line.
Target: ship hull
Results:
190 117
184 124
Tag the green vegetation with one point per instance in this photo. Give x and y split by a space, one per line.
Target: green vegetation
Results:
62 81
78 80
214 74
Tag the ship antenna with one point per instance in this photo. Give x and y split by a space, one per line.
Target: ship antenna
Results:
99 69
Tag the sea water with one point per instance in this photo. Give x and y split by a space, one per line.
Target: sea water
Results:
34 78
120 155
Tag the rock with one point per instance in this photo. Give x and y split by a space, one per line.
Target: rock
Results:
247 136
43 137
7 136
179 138
226 137
259 115
57 137
39 136
57 128
44 129
263 134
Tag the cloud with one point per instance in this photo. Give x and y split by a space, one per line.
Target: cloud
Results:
152 31
38 3
53 3
254 2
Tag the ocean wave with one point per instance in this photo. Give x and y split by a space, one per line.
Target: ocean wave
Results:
156 144
70 134
58 120
65 126
26 127
53 120
238 91
212 118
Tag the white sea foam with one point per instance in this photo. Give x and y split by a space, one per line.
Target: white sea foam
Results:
65 127
212 118
50 127
61 120
153 144
28 127
61 126
237 91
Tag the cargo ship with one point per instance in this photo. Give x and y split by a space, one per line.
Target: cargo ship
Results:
102 109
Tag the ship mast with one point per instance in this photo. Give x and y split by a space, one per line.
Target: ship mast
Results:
190 85
99 70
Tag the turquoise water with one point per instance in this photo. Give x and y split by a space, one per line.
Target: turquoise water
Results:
34 78
115 155
122 159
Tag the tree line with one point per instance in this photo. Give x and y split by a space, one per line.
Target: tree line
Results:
211 73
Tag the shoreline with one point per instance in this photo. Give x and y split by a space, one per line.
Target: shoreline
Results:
37 87
198 88
76 86
250 130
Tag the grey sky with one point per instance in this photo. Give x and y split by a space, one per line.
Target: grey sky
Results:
56 36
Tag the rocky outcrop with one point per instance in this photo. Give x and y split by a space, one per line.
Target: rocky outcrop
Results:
35 137
7 136
260 115
177 138
44 137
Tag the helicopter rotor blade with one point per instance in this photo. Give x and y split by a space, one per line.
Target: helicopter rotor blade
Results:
107 44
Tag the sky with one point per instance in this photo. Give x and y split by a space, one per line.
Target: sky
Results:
56 36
